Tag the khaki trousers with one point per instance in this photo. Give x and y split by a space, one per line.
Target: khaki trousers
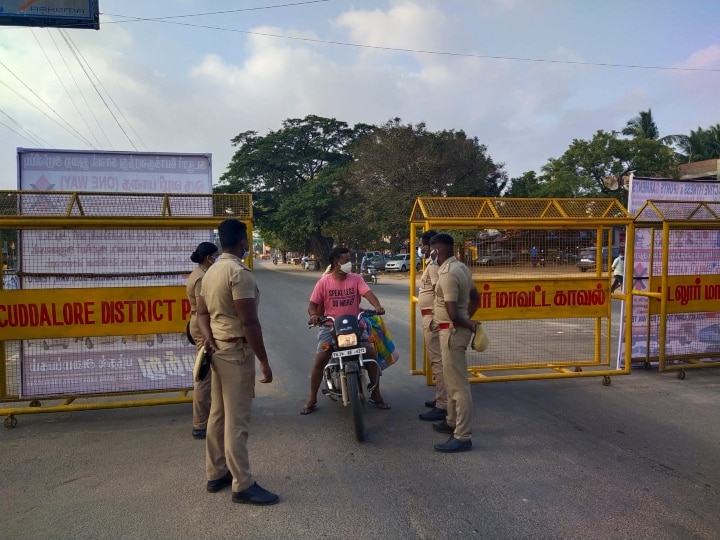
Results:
233 384
201 390
431 337
454 343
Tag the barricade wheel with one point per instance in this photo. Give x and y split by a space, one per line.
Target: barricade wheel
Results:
647 365
10 421
681 374
607 381
34 403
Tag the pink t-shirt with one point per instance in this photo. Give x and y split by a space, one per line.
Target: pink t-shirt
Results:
339 297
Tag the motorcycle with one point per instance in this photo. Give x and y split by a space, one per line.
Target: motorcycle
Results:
345 375
369 273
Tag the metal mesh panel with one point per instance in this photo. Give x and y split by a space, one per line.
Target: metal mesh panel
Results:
91 260
55 203
539 343
656 211
508 253
81 280
465 208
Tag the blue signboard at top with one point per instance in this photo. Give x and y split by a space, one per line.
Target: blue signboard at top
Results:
50 13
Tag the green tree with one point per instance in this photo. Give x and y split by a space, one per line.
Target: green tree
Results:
642 126
525 186
396 163
291 174
581 169
699 145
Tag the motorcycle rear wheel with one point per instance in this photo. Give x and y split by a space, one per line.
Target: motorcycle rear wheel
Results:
353 388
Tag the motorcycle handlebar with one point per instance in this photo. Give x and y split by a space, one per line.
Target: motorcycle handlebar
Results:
326 318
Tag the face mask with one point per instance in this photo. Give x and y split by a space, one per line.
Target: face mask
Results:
420 253
346 268
433 256
245 255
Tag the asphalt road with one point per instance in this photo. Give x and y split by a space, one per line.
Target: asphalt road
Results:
551 459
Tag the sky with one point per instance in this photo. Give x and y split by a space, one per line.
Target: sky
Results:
525 77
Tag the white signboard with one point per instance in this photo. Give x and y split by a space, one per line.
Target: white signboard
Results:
87 259
693 252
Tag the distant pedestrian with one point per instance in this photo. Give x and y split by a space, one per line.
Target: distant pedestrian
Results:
618 268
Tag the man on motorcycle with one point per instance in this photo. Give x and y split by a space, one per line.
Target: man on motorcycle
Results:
339 293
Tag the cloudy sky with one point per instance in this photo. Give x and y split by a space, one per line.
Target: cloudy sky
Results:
525 77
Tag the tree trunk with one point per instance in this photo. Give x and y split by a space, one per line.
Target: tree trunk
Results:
321 246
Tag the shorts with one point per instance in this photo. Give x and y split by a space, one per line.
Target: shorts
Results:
325 338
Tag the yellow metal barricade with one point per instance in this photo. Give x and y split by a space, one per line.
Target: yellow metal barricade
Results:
677 286
541 269
94 305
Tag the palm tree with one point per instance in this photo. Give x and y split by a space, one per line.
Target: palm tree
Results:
642 126
698 146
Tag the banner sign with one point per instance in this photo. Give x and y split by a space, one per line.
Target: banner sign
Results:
51 13
687 294
694 265
68 373
102 311
545 299
63 313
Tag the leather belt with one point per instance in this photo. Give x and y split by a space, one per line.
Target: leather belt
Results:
445 325
425 312
232 340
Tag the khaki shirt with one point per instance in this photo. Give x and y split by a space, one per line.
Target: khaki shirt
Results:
454 285
227 280
426 293
194 284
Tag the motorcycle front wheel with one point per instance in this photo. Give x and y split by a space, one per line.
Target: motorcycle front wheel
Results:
353 388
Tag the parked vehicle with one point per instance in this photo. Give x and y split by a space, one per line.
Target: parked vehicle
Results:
402 262
586 260
345 374
369 273
498 256
379 261
565 257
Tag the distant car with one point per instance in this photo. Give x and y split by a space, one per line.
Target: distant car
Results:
379 261
586 259
498 256
402 262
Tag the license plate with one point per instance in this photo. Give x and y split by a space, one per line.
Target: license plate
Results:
349 352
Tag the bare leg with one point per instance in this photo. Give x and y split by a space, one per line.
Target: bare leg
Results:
316 375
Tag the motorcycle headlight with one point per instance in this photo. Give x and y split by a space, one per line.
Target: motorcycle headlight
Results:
347 340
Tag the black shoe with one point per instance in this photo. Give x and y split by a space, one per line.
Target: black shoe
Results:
433 415
443 427
213 486
199 433
453 445
430 404
255 495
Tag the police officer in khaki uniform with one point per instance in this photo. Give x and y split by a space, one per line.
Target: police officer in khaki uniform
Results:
228 319
456 300
204 255
431 333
